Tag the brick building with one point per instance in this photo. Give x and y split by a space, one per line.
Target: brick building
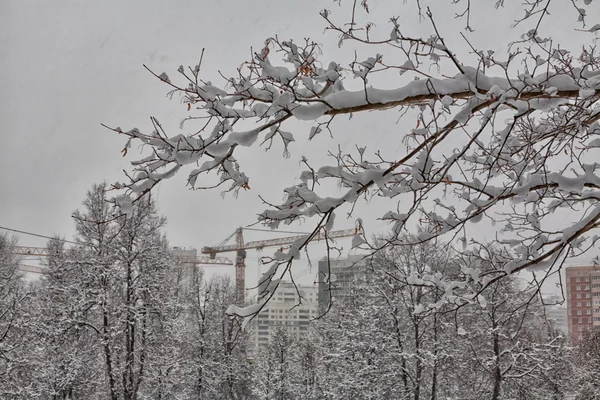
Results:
583 299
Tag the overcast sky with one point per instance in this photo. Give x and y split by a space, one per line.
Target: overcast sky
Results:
67 66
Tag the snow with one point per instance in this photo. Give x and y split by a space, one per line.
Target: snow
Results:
309 112
244 311
125 204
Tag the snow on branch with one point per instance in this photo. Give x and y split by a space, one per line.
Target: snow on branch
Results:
510 139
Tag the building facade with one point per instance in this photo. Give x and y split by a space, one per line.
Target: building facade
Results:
337 277
189 270
284 310
583 300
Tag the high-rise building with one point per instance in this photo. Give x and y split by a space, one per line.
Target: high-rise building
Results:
284 310
189 270
337 277
583 299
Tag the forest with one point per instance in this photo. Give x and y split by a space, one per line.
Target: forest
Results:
117 316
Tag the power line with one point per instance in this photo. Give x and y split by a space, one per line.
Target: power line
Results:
36 234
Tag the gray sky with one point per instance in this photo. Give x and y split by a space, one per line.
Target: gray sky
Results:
67 66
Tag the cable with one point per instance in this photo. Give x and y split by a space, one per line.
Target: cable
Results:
35 234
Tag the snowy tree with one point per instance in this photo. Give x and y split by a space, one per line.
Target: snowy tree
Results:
107 308
276 370
507 347
395 338
68 363
411 299
506 133
14 374
587 359
214 360
355 359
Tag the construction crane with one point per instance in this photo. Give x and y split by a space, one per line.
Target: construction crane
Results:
240 248
43 252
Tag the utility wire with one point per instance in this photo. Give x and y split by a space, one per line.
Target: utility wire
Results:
36 234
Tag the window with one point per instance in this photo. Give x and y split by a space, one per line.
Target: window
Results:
588 303
587 287
589 320
580 328
588 312
577 287
578 295
587 278
578 304
578 280
578 312
587 296
579 320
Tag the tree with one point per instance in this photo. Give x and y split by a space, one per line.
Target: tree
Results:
394 338
418 323
508 137
276 370
14 374
213 359
106 310
62 323
508 347
587 356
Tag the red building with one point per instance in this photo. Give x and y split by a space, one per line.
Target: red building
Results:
583 299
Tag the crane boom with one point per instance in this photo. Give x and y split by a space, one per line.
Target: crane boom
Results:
260 244
30 251
240 248
43 252
206 260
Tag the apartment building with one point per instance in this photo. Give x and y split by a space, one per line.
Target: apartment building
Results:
583 299
336 278
285 311
189 270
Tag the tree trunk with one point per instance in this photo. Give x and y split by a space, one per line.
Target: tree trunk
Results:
108 353
497 371
435 361
418 364
128 372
